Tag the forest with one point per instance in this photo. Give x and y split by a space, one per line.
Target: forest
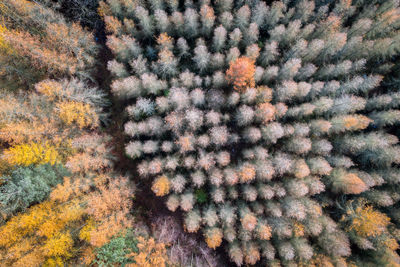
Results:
200 133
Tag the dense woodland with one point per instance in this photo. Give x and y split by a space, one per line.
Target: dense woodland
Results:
199 133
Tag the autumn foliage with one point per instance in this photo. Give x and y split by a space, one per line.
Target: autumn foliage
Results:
270 127
241 73
32 153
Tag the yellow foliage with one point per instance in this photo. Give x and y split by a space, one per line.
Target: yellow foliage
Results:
161 186
298 229
366 221
59 245
32 153
60 217
49 88
77 113
84 234
54 262
4 47
390 243
43 228
21 225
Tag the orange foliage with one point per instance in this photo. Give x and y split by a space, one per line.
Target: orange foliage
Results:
150 254
109 208
391 243
88 255
266 93
252 254
16 251
390 16
84 162
41 57
32 259
213 237
264 232
354 185
161 186
20 132
113 25
116 195
253 52
185 143
65 191
207 12
165 41
241 73
247 173
49 226
356 122
320 260
106 228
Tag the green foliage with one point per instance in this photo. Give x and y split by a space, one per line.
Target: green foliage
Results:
115 251
29 185
201 196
